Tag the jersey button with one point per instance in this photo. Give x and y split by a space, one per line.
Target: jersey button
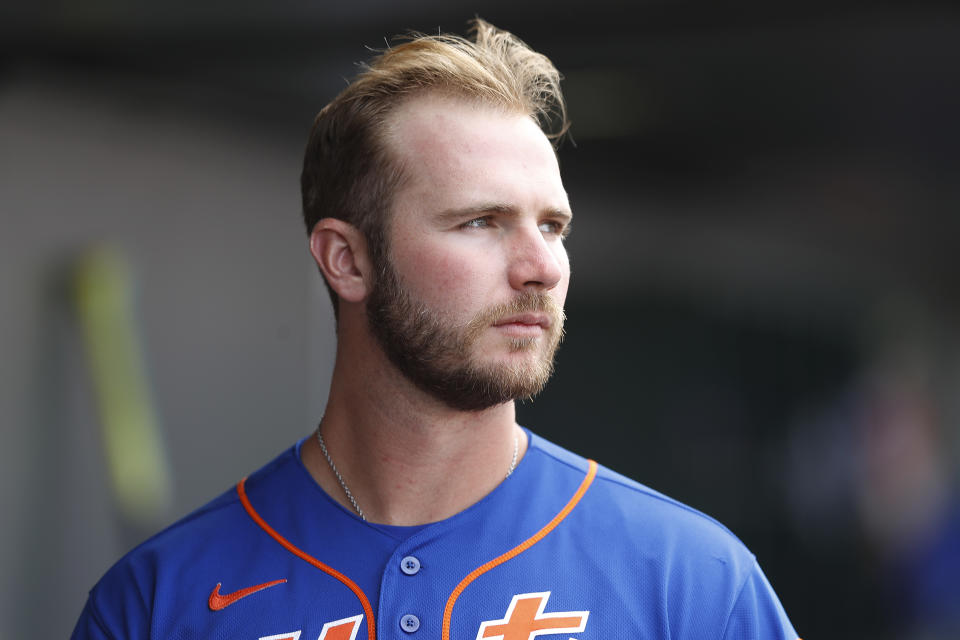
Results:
410 565
409 623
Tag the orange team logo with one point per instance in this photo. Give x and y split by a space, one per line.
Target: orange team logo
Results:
218 601
525 619
344 629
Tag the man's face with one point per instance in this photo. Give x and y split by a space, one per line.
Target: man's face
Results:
469 304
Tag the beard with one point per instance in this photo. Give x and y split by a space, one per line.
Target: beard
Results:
439 357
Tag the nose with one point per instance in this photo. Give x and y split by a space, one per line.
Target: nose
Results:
535 261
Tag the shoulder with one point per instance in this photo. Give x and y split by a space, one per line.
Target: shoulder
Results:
203 529
634 504
165 567
180 539
693 570
644 524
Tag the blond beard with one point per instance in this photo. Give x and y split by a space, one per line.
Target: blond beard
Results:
439 357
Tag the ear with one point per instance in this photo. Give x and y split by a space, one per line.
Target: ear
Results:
341 253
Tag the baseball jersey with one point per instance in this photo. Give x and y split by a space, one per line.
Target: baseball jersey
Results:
562 548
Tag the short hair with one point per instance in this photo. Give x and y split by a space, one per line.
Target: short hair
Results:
348 170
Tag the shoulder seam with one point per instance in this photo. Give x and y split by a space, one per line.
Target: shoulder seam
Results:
97 618
201 511
733 605
646 491
562 461
655 495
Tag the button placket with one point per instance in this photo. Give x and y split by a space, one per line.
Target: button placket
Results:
402 597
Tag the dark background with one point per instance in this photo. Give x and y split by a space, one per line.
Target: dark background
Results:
763 311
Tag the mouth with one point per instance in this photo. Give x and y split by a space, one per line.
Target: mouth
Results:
524 325
530 319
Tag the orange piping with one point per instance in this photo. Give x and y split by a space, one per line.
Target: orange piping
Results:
523 546
303 555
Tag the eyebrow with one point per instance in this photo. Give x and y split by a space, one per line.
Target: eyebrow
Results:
496 207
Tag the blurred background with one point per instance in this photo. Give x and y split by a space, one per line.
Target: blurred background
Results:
763 318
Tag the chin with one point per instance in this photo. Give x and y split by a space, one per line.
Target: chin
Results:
523 344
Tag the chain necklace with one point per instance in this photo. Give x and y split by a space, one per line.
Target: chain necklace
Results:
333 467
346 489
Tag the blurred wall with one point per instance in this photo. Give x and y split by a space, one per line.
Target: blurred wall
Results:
233 323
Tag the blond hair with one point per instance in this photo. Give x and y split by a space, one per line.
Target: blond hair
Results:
348 170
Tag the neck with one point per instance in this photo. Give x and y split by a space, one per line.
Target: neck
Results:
407 458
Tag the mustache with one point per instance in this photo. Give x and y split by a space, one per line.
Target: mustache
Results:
528 301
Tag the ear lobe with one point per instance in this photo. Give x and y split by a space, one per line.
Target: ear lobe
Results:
340 251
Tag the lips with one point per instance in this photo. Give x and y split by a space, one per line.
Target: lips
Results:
529 319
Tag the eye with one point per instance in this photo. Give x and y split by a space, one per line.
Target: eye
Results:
555 227
477 223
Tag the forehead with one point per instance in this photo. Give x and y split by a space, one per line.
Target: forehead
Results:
449 146
436 108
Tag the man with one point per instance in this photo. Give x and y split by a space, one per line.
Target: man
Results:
419 507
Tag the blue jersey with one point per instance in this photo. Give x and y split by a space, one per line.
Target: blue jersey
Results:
562 548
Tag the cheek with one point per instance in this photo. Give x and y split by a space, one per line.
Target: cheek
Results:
441 277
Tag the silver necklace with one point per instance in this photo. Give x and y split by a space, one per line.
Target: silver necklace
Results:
333 467
346 489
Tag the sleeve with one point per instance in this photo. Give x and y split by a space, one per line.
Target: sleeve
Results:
757 612
118 606
90 626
